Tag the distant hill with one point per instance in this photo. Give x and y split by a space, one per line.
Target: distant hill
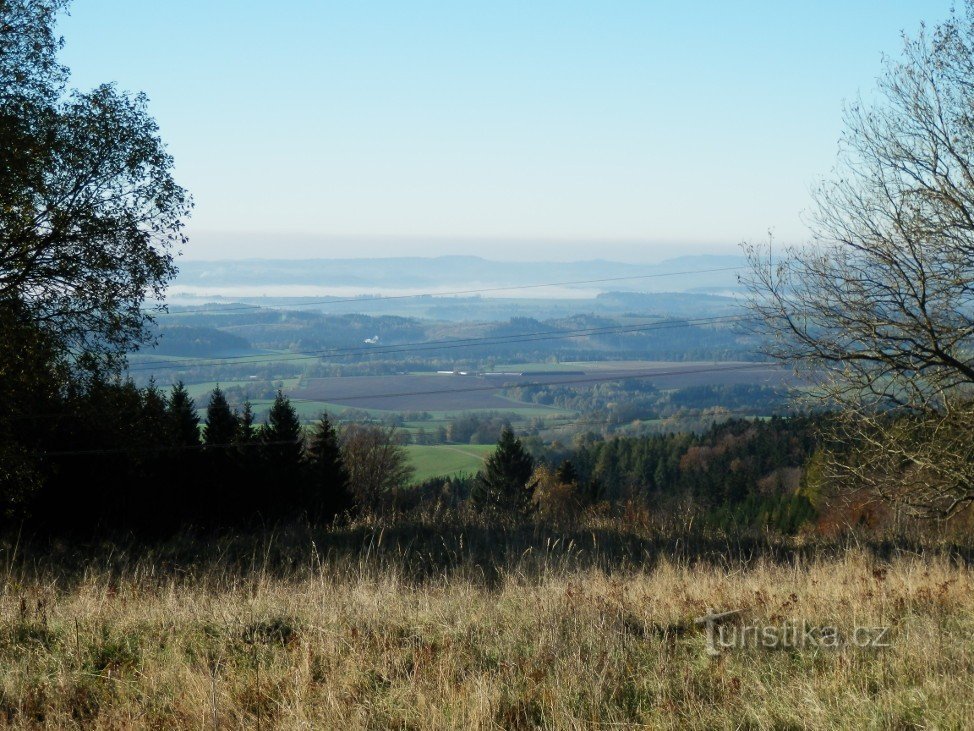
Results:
199 342
247 277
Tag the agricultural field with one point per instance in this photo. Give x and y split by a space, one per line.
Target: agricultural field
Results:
442 460
446 392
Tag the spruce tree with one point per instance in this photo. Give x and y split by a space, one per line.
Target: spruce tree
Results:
183 422
504 486
281 436
327 491
283 428
246 432
221 423
567 474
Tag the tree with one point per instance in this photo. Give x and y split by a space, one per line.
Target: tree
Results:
221 423
328 490
377 463
281 452
91 213
282 433
556 499
877 310
567 474
184 424
504 486
246 432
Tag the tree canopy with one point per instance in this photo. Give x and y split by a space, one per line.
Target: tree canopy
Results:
91 215
878 309
504 485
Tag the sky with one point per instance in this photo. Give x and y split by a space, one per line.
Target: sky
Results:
552 129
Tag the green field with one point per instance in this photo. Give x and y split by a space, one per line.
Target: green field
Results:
447 459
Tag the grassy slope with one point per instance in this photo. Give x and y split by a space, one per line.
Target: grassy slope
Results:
356 641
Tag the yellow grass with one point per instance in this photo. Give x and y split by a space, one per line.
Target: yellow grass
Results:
355 642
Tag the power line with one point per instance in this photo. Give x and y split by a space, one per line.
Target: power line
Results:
259 443
618 376
623 376
483 290
167 448
261 359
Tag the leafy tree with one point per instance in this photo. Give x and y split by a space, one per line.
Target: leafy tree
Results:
221 423
877 310
328 491
90 212
504 487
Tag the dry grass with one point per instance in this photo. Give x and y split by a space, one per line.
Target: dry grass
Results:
542 641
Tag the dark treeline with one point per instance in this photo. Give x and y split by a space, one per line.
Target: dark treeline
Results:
97 456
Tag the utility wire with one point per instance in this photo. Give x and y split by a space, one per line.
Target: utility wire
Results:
451 344
621 376
618 376
258 443
482 290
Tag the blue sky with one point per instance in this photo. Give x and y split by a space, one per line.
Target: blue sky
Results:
514 130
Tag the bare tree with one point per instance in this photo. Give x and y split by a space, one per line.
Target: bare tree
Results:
377 463
878 309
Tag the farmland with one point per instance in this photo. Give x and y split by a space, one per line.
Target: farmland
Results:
444 392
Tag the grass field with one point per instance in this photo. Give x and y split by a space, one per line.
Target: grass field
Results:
483 632
442 460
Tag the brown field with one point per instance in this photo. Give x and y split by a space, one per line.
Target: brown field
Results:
435 392
384 628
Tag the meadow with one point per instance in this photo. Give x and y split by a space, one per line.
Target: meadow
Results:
447 459
422 627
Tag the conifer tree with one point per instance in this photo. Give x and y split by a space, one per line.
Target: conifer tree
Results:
328 491
504 486
154 412
245 431
283 428
282 449
221 423
183 421
567 474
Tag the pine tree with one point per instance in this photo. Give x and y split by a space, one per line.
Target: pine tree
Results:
245 431
183 421
567 474
327 491
504 486
282 448
221 423
154 412
283 428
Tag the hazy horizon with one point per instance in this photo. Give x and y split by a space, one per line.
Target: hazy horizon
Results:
537 131
242 246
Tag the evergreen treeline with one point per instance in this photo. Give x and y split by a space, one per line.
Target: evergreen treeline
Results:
112 457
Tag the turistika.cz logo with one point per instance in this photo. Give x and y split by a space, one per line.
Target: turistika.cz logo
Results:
724 635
